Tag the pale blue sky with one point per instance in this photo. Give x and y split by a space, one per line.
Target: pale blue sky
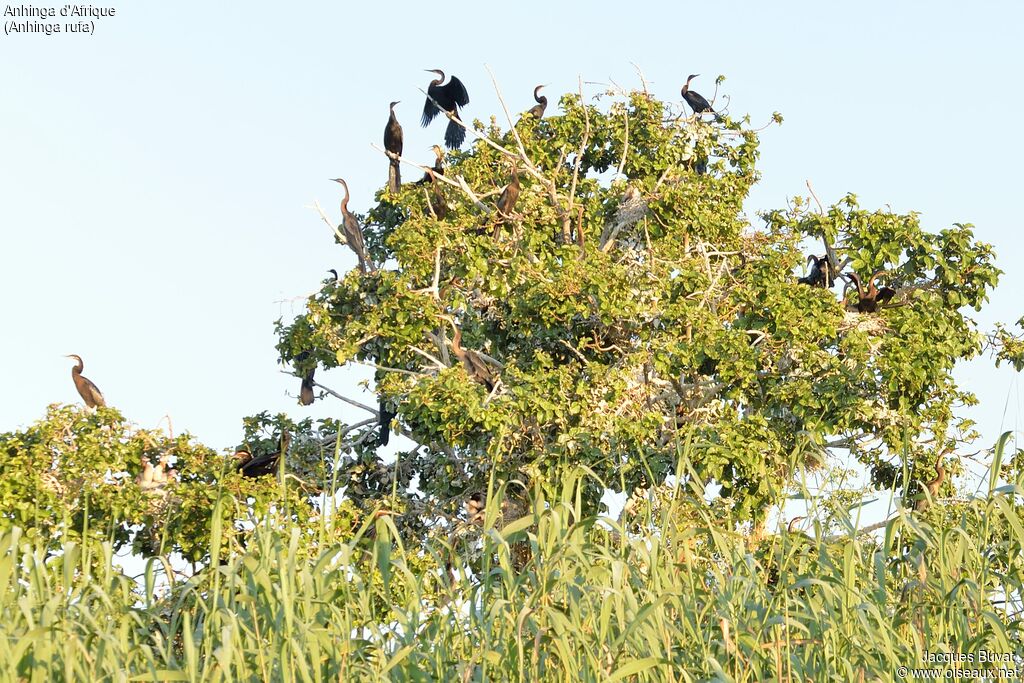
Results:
154 176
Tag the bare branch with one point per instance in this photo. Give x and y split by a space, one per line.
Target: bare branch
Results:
338 396
332 226
426 355
522 150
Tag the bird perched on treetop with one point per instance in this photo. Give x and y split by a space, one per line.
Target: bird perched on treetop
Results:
449 97
89 392
353 233
537 110
393 144
697 103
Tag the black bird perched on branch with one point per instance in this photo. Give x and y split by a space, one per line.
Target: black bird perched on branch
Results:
822 273
537 110
384 417
89 392
448 97
393 145
472 361
869 299
264 464
353 233
697 103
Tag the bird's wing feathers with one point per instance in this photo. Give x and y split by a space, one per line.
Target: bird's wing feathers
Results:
97 395
430 109
457 92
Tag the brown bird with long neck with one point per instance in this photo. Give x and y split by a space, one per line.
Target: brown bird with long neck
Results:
393 145
437 203
471 360
89 392
537 110
933 486
869 299
438 167
351 230
507 201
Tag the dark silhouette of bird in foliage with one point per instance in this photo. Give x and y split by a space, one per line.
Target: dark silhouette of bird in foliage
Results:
869 299
822 273
261 465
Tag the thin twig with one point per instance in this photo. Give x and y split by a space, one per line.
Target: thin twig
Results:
426 355
625 143
389 369
332 226
338 396
567 217
511 125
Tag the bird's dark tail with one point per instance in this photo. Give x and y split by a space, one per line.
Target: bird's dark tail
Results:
385 418
394 176
455 134
306 391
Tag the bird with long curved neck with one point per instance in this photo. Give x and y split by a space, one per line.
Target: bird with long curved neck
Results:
471 360
869 299
89 392
697 103
448 97
438 206
507 200
393 145
933 486
537 110
351 230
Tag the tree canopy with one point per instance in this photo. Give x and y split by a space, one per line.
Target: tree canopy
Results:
626 305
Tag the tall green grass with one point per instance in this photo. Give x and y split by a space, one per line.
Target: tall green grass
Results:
555 595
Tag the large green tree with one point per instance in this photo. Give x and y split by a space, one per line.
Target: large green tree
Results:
629 311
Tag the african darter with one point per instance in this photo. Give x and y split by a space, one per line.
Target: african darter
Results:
437 203
471 360
822 274
448 97
393 145
507 199
264 464
537 110
306 390
438 168
697 103
353 233
509 196
933 486
89 392
868 301
384 417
